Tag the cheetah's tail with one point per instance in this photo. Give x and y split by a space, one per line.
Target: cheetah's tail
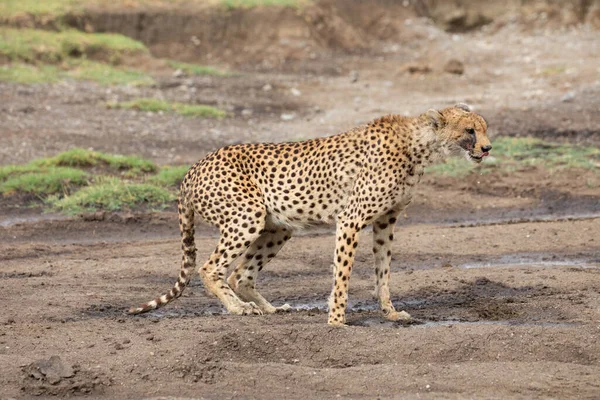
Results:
188 262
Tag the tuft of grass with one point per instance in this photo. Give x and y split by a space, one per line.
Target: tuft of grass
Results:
41 181
83 158
157 105
454 167
112 194
554 70
512 153
169 176
195 69
108 75
33 45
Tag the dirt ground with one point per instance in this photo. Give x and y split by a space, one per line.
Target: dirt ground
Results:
501 271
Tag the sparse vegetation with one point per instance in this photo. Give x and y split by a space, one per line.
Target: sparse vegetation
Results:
510 154
255 3
108 75
195 69
157 105
554 70
103 74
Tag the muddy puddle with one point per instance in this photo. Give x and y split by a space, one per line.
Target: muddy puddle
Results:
374 322
9 221
535 261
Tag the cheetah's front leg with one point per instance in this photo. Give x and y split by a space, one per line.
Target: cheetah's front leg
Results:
383 234
347 234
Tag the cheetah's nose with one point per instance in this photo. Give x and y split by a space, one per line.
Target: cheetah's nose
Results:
487 148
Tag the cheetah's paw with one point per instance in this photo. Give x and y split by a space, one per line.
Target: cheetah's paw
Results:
249 308
398 316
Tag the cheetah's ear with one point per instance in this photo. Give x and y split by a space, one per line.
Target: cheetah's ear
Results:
435 118
464 107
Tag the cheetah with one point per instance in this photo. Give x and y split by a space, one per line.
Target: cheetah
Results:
259 194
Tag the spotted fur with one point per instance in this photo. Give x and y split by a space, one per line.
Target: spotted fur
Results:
258 194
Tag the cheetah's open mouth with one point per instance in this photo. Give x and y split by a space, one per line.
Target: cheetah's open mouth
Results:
478 157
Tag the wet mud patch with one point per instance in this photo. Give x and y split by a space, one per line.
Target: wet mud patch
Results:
478 300
119 312
24 275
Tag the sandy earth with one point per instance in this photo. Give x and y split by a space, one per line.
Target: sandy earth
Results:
500 271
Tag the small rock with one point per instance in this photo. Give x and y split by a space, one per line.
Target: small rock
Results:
418 68
295 92
267 87
150 337
353 76
119 346
454 67
93 216
246 112
178 73
568 97
27 109
288 117
51 370
447 265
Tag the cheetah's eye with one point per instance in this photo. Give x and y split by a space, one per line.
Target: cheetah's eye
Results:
470 131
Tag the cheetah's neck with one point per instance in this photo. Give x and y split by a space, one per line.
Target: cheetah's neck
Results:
426 145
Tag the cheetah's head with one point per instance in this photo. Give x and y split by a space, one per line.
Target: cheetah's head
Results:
462 130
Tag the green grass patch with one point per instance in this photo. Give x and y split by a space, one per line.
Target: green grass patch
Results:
169 176
83 158
34 45
157 105
195 69
17 8
57 9
83 180
41 182
113 194
512 154
29 74
108 75
102 74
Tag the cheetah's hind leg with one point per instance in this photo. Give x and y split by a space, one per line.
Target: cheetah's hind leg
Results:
260 252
